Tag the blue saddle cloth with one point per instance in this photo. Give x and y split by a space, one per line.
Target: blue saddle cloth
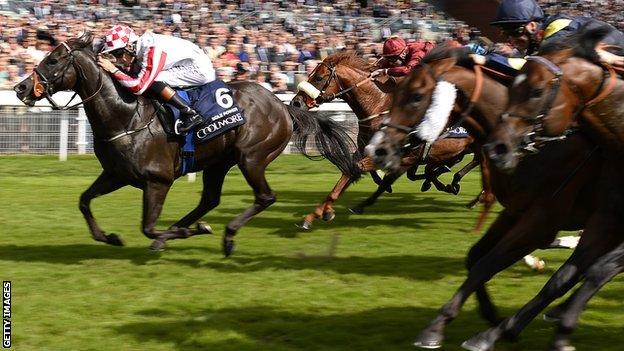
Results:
220 113
457 133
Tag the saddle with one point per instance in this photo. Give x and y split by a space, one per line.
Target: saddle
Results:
220 113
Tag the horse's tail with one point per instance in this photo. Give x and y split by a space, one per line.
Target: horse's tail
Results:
332 140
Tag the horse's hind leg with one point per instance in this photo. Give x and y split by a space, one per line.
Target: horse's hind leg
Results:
264 197
211 195
104 184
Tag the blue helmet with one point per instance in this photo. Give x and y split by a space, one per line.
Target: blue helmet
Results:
517 12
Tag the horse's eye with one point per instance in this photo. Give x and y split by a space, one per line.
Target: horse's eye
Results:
536 92
415 98
52 61
318 78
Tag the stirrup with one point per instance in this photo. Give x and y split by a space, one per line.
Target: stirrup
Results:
180 128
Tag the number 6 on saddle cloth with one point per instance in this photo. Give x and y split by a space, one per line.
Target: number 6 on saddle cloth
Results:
220 113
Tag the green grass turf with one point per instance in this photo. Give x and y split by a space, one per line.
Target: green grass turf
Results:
392 269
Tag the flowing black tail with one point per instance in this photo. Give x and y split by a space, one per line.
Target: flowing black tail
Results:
332 140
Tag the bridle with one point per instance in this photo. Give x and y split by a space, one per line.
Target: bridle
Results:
42 85
535 137
322 98
410 132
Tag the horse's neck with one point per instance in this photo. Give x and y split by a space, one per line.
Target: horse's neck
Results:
110 109
487 109
368 100
606 118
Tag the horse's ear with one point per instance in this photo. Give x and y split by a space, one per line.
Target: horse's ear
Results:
441 66
84 40
587 40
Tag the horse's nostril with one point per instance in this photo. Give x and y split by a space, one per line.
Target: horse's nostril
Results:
296 103
500 149
381 152
20 88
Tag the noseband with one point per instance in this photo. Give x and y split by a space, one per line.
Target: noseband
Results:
42 85
535 137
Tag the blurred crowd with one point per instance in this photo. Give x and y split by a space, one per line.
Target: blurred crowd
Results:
275 43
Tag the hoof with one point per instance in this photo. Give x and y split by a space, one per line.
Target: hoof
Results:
478 343
305 225
203 228
228 246
561 345
158 245
552 316
357 209
429 340
426 186
453 188
114 239
329 216
389 189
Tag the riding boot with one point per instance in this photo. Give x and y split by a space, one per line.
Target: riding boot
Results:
188 116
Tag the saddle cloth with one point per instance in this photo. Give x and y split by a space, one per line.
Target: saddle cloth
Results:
215 103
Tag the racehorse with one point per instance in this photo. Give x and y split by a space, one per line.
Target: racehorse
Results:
133 148
566 86
347 76
536 205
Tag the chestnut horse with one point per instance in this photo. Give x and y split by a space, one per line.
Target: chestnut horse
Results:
347 76
133 148
563 88
536 206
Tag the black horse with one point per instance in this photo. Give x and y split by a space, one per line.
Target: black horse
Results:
134 148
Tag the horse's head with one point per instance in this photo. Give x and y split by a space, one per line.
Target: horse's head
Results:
548 96
330 77
56 72
420 110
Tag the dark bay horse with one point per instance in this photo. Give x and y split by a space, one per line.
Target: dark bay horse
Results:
347 76
536 205
566 86
134 149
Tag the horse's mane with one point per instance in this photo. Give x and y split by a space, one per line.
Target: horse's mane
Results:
581 44
349 58
445 51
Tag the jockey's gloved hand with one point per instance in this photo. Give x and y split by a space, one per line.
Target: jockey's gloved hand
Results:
106 64
379 72
478 59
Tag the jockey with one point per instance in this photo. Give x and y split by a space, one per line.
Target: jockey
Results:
155 63
400 58
526 27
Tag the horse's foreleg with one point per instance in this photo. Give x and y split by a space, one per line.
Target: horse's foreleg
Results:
597 276
264 197
596 241
211 194
388 180
104 184
154 195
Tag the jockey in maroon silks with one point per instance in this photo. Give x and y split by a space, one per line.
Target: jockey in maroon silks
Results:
400 58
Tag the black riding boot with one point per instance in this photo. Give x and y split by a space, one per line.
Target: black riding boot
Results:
188 116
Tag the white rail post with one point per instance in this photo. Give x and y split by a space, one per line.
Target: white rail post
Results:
82 132
64 135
